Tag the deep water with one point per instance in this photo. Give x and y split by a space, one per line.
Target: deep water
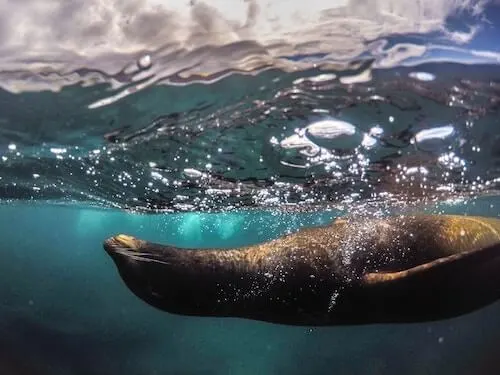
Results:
64 309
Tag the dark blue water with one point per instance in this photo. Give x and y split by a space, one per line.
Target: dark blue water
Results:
65 310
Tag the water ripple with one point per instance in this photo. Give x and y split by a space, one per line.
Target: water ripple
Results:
271 140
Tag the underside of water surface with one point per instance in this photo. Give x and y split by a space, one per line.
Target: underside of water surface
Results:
277 140
237 109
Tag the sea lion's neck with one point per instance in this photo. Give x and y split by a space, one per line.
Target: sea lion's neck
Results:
196 282
243 282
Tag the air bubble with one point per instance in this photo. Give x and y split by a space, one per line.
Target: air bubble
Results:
144 62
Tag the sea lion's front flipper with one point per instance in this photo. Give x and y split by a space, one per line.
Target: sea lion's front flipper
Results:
443 288
463 265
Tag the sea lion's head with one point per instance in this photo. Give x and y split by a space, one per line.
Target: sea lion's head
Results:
148 270
176 280
126 248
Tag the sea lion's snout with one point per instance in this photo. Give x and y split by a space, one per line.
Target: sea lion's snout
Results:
120 243
126 248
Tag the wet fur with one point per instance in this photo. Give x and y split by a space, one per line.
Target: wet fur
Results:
394 269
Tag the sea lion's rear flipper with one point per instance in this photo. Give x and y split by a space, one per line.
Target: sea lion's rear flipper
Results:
461 265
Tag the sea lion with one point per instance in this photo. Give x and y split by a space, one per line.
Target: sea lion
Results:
397 269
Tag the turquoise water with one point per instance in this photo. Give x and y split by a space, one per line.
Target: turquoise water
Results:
65 310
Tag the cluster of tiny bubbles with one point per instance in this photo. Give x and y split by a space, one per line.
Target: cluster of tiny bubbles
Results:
321 138
334 144
437 143
258 287
333 299
39 178
360 218
354 243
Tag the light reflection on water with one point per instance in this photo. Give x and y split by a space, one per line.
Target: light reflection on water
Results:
259 104
291 143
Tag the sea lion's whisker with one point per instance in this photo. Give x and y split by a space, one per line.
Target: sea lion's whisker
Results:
139 256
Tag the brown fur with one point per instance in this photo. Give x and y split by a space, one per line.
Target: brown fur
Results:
393 269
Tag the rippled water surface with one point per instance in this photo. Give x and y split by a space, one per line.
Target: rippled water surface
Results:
268 140
242 123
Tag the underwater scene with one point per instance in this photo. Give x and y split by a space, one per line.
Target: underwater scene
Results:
249 187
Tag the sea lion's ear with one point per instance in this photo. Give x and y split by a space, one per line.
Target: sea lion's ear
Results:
438 268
